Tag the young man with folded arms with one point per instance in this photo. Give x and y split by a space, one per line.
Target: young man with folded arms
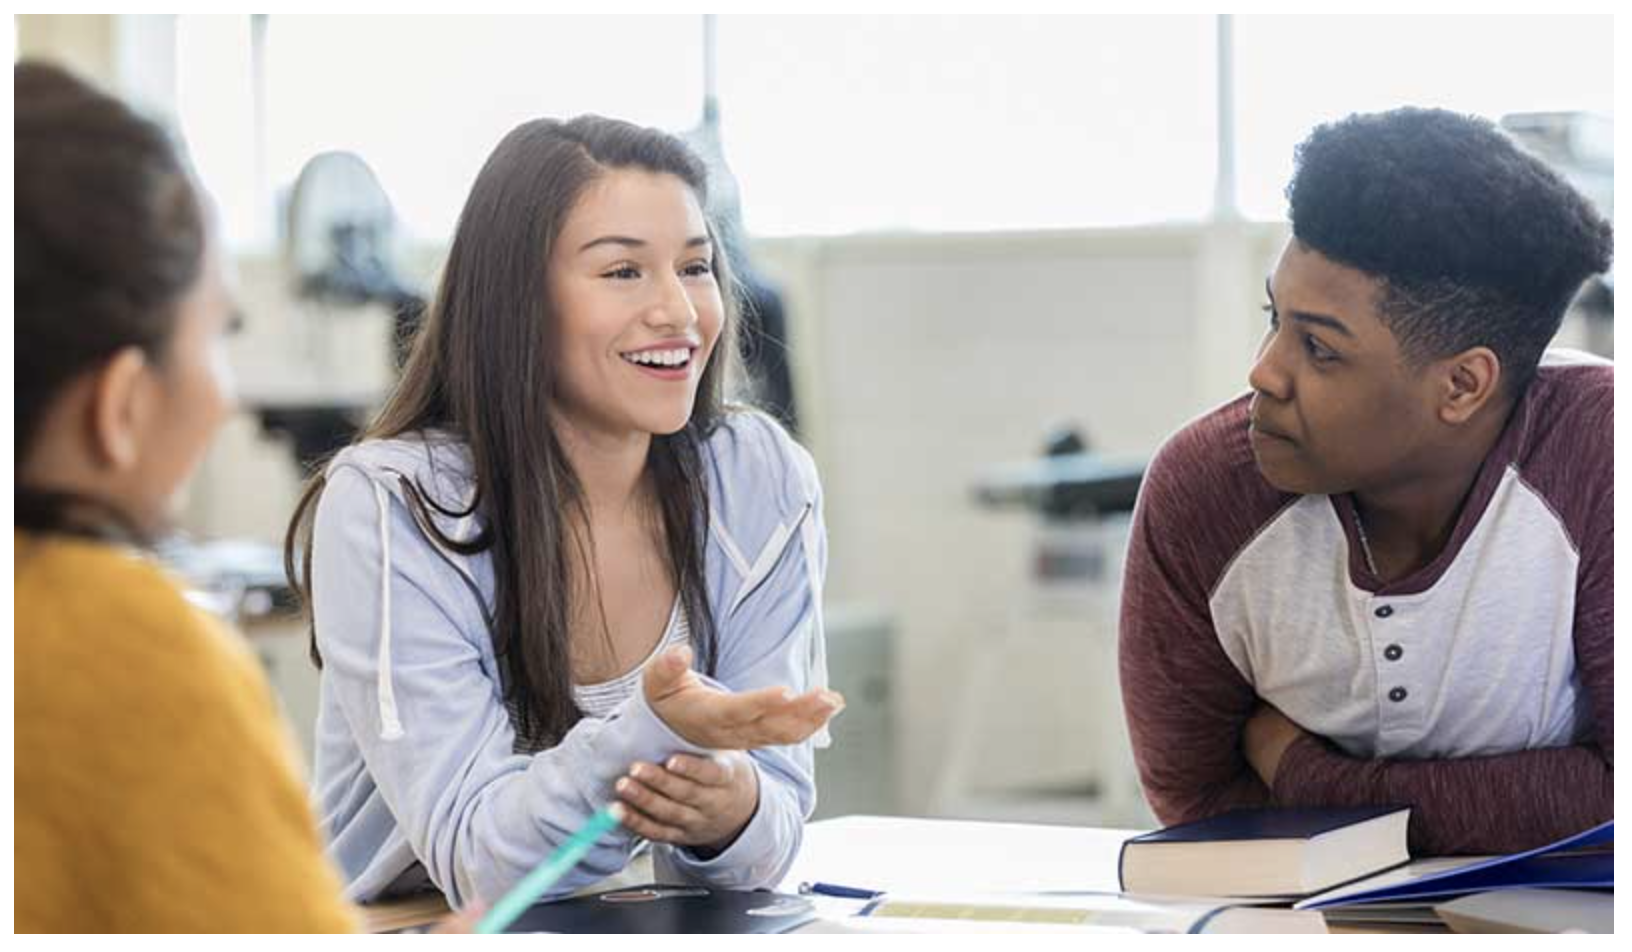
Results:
1385 574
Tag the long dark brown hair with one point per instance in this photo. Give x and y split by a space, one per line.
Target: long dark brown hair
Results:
483 368
110 237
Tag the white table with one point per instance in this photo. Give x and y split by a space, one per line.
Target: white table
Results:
956 859
902 854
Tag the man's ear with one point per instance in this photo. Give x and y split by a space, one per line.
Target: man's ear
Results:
1471 379
121 402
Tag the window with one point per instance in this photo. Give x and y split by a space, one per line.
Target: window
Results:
423 99
839 124
1294 72
215 101
842 124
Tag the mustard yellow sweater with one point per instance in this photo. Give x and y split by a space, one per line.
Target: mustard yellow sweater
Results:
157 788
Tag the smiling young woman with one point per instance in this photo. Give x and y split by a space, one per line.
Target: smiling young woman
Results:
554 514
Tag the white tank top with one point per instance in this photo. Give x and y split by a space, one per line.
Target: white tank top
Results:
599 700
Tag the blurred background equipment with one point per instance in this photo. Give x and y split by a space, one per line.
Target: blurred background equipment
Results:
342 242
1046 682
340 250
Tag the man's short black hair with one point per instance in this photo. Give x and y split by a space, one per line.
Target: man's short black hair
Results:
1476 242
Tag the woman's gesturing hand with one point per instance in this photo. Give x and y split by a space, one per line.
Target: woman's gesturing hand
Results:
725 720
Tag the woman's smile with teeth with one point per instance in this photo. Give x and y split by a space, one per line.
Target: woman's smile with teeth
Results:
678 357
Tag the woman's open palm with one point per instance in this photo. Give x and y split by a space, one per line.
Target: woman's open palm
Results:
723 720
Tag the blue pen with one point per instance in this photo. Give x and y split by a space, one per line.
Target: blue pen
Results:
549 872
838 892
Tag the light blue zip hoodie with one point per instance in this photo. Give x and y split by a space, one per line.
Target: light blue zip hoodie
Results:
416 773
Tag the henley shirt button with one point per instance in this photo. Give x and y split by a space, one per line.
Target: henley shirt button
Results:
1393 652
1384 611
1397 695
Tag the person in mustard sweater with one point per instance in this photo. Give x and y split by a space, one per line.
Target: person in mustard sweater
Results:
156 788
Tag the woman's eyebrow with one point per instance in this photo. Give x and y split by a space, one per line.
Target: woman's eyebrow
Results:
612 240
694 241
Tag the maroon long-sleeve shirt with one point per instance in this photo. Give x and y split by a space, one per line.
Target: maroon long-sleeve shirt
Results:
1479 690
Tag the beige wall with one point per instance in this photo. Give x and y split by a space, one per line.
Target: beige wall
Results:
926 361
84 43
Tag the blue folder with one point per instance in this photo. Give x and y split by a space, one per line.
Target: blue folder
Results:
1583 861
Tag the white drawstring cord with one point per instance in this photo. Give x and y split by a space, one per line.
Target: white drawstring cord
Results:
390 724
818 635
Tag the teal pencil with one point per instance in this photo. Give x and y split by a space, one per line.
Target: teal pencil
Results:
549 872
